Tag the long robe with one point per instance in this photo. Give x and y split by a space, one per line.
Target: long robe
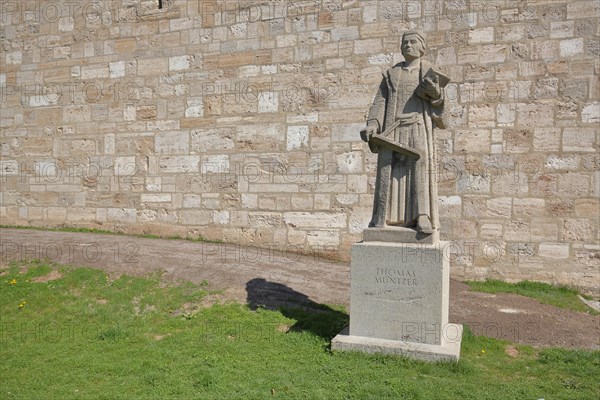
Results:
405 188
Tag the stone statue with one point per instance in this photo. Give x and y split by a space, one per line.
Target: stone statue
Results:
400 126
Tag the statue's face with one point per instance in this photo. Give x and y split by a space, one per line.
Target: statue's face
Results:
412 47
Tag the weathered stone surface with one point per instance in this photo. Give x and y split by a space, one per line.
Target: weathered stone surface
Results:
448 351
398 235
393 276
399 301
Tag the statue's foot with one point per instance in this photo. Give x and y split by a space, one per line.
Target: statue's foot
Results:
424 225
377 223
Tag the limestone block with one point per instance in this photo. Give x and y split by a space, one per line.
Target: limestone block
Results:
195 217
546 139
14 57
554 162
482 35
491 231
544 50
532 69
571 47
76 113
268 102
472 141
194 107
573 184
95 71
357 183
146 112
349 163
506 113
537 114
554 250
518 140
264 219
215 164
344 33
176 142
367 46
582 9
376 59
315 220
82 148
468 183
56 213
249 201
591 113
468 55
323 238
558 67
577 229
66 24
152 66
511 183
179 164
259 137
587 207
179 63
220 217
494 53
156 198
541 231
528 207
450 206
517 231
446 56
399 291
207 139
499 207
121 215
178 24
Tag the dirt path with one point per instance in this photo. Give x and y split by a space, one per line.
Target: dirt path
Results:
242 272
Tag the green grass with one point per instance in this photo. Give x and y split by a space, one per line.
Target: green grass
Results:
105 232
559 296
61 229
84 336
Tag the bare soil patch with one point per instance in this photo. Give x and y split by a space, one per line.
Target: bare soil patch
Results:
276 278
51 276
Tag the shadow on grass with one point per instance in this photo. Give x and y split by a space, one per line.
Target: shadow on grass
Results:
319 319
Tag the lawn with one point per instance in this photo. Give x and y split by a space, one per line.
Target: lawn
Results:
85 336
558 296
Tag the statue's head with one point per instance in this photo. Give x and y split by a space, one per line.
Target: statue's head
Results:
413 44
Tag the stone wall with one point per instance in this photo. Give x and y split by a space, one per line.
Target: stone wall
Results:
239 121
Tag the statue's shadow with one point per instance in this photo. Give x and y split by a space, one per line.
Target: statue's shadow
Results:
319 319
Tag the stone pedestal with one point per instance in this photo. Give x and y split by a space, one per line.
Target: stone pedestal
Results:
399 301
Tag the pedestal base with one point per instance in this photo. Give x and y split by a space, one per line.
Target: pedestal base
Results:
399 235
399 291
448 350
399 295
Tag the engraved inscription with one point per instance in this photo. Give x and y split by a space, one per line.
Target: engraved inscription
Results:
396 277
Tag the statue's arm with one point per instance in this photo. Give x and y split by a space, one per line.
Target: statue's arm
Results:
439 103
377 111
376 116
434 93
437 111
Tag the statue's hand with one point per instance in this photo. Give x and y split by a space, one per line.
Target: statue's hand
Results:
431 88
367 133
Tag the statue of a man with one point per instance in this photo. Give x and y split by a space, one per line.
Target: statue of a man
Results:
406 109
